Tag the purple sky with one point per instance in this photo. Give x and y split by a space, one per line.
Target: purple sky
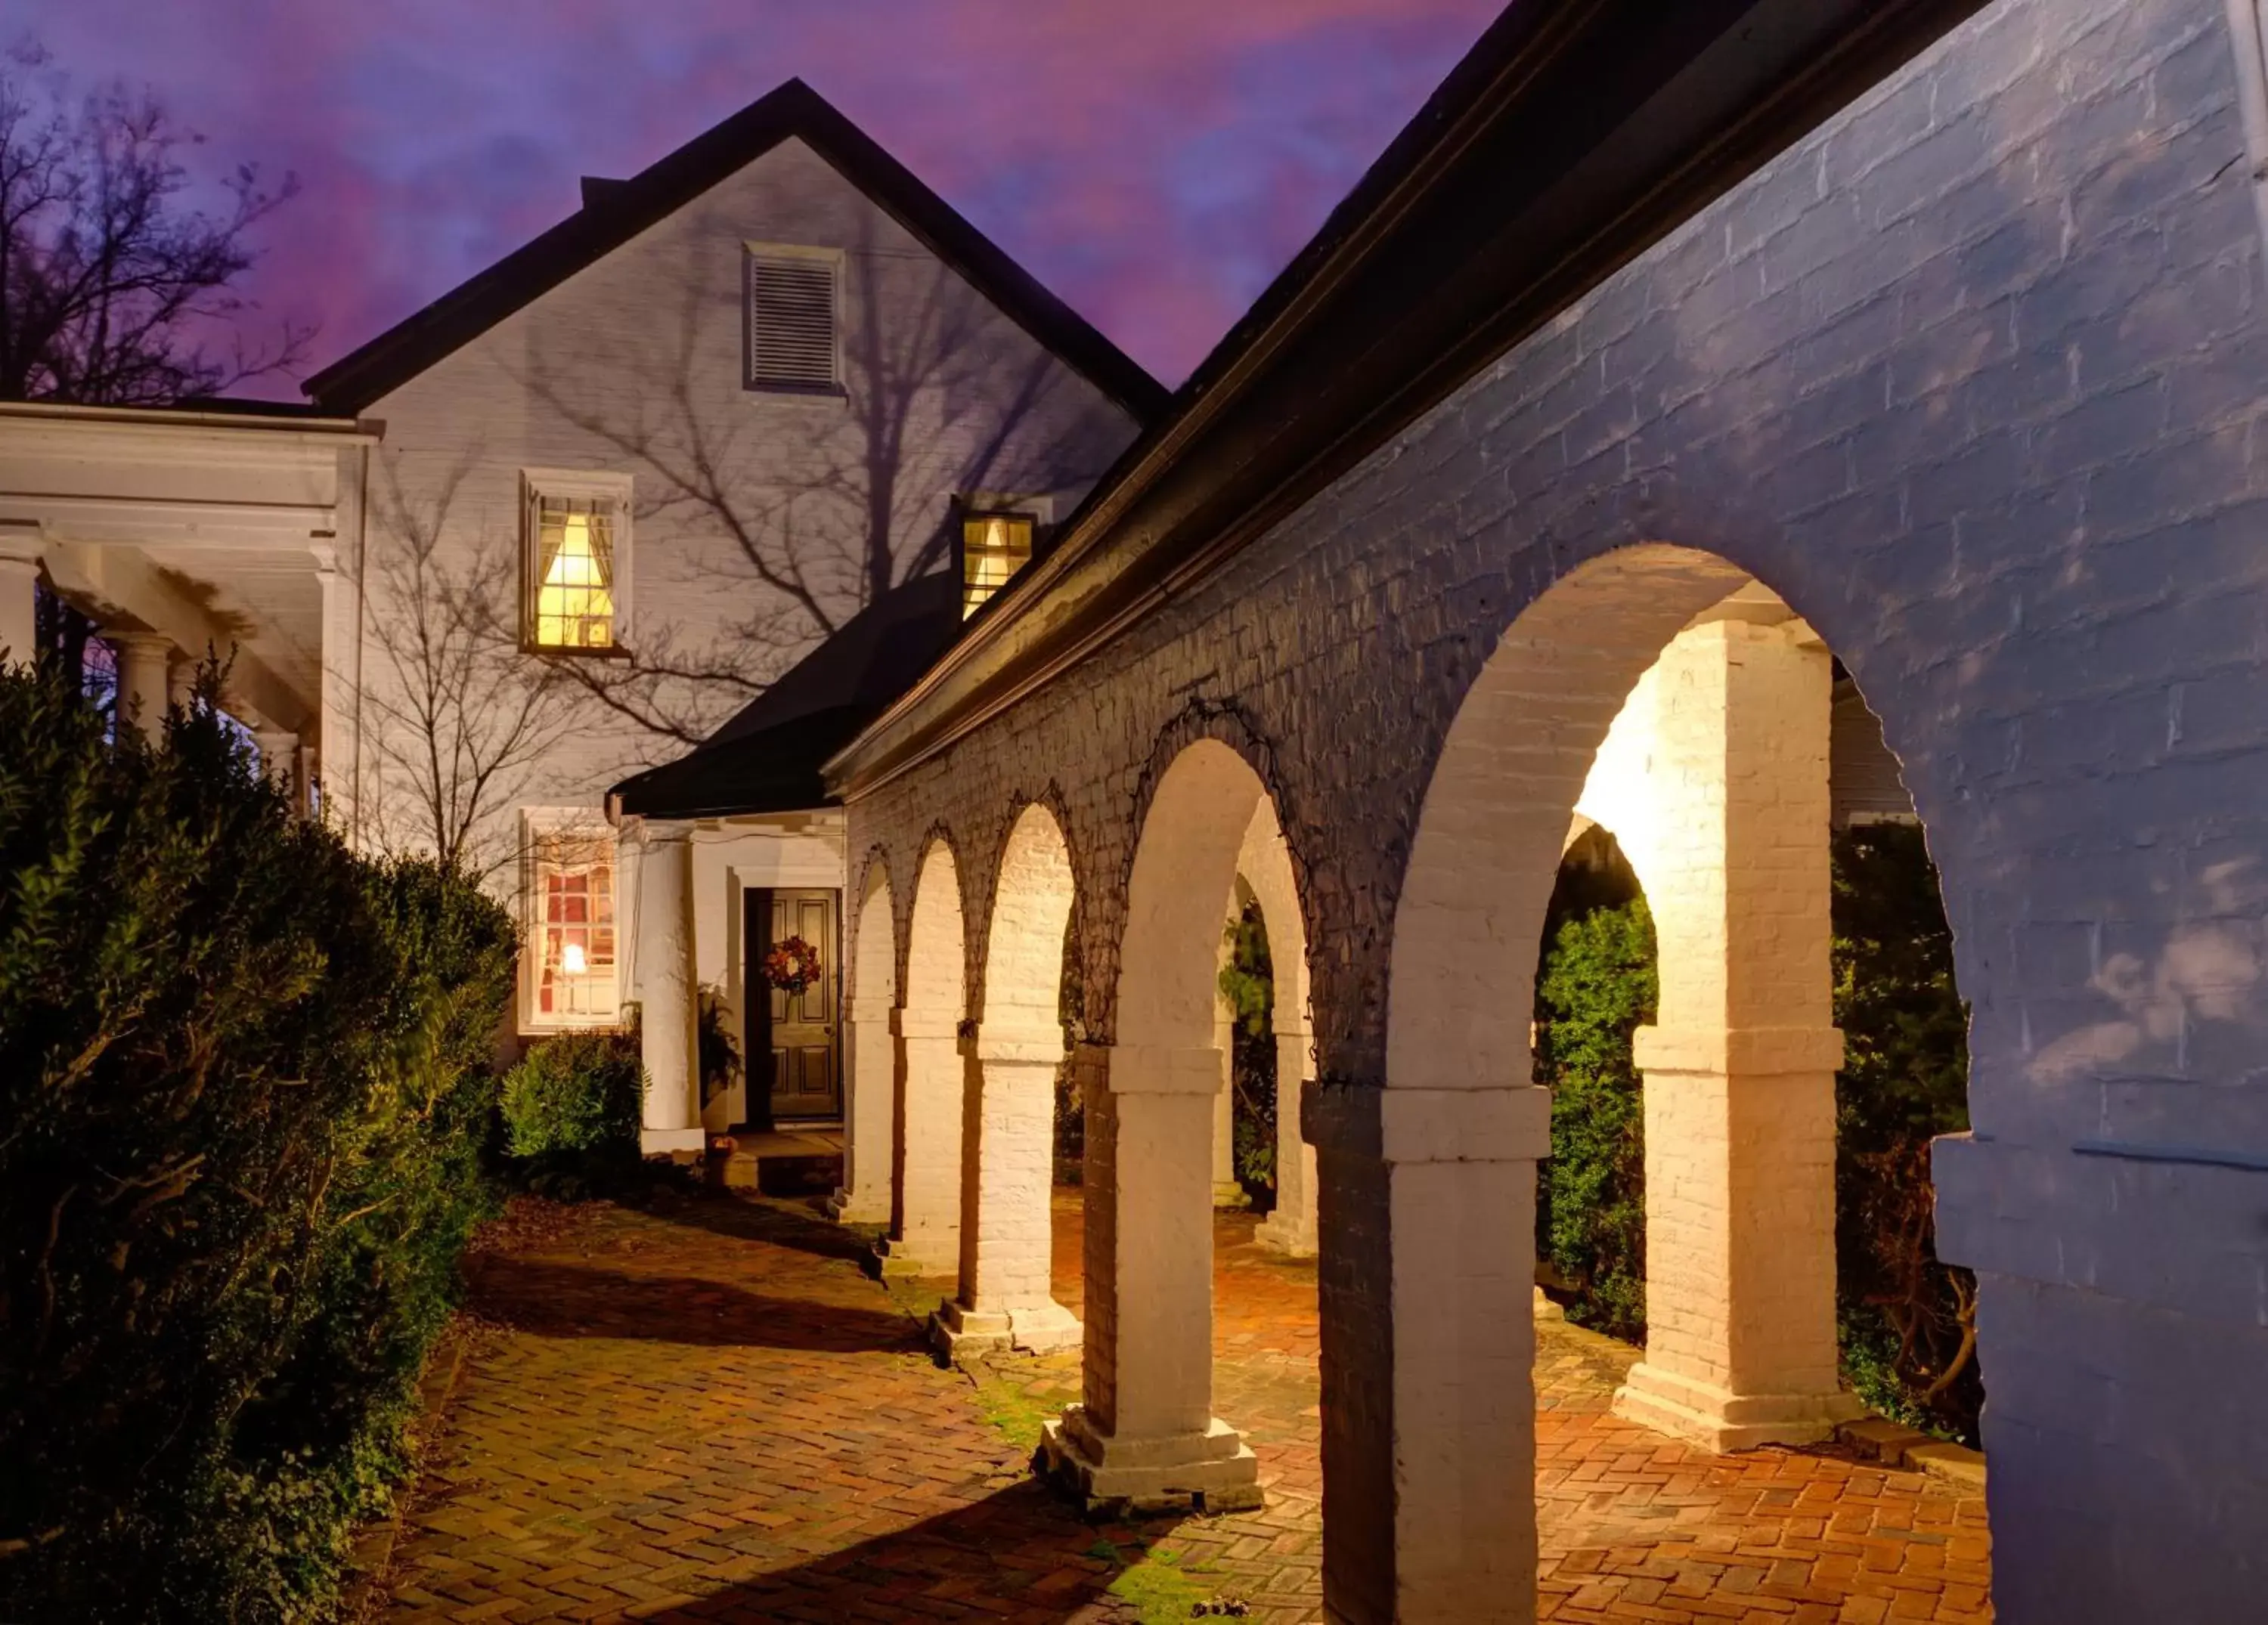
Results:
1153 161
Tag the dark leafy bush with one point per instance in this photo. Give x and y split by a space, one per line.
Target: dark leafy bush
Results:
242 1084
579 1093
1598 985
1908 1321
1248 982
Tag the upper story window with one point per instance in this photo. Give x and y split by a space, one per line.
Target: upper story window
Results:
792 297
568 966
993 548
576 546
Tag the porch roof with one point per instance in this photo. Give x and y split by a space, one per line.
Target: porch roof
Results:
210 525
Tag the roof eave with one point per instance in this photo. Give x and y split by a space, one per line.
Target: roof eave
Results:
1575 135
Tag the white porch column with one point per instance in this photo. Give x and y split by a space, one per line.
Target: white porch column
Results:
181 680
924 1236
279 762
1145 1433
142 661
667 1011
868 1112
20 618
1740 1071
1006 1296
1289 1229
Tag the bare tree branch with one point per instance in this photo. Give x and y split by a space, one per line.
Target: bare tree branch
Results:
107 280
459 719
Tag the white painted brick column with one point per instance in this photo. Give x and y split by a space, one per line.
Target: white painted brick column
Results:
1228 1189
1740 1071
1428 1218
1145 1433
667 1014
868 1111
1006 1296
1289 1229
924 1236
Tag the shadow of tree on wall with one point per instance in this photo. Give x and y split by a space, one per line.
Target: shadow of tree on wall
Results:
783 517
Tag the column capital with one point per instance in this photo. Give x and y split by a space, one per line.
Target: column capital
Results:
1016 1045
138 641
1737 1052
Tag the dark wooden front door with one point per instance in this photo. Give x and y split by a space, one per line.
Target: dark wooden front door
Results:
793 1043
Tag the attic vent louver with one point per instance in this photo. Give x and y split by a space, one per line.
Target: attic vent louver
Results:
791 304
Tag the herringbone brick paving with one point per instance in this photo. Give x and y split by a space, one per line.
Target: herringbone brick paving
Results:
705 1412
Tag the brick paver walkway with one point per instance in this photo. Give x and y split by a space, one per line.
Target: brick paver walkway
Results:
706 1413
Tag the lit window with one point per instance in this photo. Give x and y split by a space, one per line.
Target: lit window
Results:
791 308
571 930
993 548
577 535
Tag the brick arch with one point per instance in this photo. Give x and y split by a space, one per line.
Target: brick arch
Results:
935 975
1034 893
1493 821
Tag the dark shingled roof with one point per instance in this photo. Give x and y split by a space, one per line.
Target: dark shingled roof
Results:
615 211
767 758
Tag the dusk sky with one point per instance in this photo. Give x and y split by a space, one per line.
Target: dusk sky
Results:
1153 161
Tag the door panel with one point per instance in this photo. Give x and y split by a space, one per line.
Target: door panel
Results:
805 1047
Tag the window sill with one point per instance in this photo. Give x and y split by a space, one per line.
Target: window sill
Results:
797 392
567 652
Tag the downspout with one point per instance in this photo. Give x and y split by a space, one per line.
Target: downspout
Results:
2245 33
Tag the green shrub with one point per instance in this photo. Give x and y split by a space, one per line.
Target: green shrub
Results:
1248 982
1598 984
1908 1321
580 1093
243 1104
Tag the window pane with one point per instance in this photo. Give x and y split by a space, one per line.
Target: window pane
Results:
575 977
993 548
574 606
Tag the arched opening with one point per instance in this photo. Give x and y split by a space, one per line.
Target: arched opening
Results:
924 1236
870 1113
1267 890
1006 1237
1665 694
1145 1431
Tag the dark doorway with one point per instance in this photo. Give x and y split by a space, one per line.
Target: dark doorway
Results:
794 1055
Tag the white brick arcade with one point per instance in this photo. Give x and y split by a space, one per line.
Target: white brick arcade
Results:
1964 387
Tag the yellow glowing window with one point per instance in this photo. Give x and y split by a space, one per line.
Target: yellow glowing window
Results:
572 572
993 548
575 930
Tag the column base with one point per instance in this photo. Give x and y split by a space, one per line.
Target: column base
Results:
1231 1193
665 1142
1286 1235
897 1260
956 1331
1210 1472
1545 1309
1723 1422
848 1208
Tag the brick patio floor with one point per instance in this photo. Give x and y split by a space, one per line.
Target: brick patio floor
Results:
705 1412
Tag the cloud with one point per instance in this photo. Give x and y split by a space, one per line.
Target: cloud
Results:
1154 163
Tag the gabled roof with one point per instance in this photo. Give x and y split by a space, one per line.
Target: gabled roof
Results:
615 211
767 758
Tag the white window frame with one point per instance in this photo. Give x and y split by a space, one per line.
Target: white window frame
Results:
1041 511
578 485
835 259
538 825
